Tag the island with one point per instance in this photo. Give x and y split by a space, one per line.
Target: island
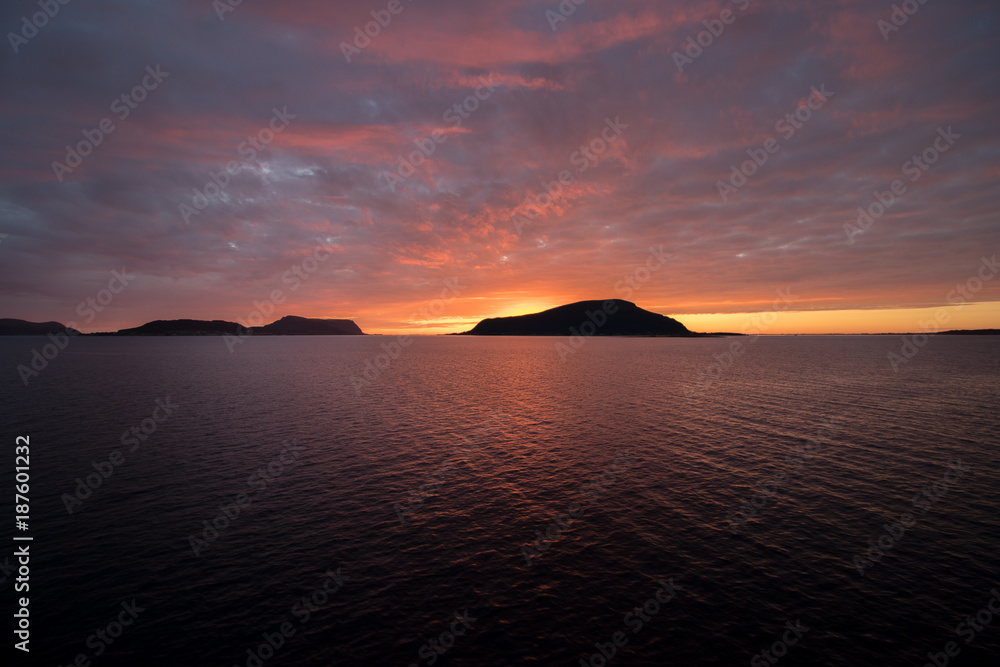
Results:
971 332
12 327
289 325
612 317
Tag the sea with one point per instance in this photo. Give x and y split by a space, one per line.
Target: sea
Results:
792 500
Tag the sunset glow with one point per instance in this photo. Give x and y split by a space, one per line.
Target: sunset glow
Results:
436 151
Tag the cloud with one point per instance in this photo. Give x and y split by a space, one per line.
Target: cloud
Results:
325 176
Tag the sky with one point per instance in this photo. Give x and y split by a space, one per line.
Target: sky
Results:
467 159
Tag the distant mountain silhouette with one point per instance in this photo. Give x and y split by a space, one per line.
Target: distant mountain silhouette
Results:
291 325
12 327
286 326
614 317
971 332
183 328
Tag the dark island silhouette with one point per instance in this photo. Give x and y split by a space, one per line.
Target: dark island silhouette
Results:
584 318
614 317
290 325
12 327
180 328
287 326
972 332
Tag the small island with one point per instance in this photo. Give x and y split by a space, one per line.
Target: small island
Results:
289 325
12 327
613 317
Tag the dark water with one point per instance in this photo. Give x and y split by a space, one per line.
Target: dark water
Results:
422 492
